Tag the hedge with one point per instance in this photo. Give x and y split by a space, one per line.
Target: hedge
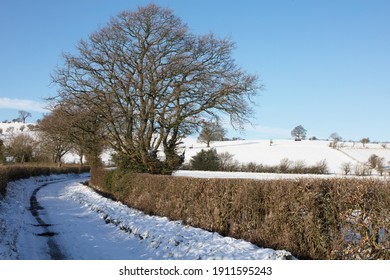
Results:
311 218
10 173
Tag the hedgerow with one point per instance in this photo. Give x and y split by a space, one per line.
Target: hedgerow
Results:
312 218
10 173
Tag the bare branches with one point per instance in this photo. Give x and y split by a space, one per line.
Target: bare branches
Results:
151 80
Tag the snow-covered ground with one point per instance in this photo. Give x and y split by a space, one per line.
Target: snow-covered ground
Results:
307 151
57 217
15 128
249 175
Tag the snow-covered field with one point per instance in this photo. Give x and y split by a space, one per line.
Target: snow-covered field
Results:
69 221
307 151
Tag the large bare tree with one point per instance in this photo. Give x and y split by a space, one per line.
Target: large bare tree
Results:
151 82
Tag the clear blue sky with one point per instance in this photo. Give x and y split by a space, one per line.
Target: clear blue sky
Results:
324 64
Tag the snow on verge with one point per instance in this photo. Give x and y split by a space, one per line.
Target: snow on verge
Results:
171 239
89 226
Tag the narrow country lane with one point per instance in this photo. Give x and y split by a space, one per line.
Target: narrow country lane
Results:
58 217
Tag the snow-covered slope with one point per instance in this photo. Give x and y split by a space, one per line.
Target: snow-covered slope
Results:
7 128
307 151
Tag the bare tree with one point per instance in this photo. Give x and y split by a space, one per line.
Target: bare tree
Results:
364 141
211 131
21 148
73 128
54 137
299 132
336 138
151 81
23 115
226 161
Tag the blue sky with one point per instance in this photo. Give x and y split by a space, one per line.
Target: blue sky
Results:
325 65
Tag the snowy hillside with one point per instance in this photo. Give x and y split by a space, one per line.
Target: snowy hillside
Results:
307 151
7 128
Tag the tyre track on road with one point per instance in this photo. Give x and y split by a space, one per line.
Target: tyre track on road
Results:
37 210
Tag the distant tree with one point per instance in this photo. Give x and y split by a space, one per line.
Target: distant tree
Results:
53 136
299 132
73 128
335 137
365 141
211 131
21 148
373 161
23 115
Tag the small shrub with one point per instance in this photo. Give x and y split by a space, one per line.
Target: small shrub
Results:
346 167
226 162
321 167
362 170
299 167
380 166
252 167
285 165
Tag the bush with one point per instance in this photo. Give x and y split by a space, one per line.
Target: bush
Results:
376 162
346 167
206 160
285 165
362 170
226 162
320 168
373 161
